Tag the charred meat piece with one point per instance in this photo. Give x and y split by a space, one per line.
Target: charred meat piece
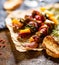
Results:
28 18
31 45
33 26
34 13
51 46
38 16
43 18
35 38
51 26
43 30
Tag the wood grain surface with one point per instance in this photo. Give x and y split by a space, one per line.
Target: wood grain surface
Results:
10 56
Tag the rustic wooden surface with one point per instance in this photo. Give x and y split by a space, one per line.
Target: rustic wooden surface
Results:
10 56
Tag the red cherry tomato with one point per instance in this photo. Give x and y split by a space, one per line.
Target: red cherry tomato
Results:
37 17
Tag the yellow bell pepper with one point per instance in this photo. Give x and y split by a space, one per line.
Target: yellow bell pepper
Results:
42 9
49 13
54 20
15 21
51 17
31 39
25 31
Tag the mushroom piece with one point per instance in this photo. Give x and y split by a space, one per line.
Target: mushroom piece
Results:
12 4
51 46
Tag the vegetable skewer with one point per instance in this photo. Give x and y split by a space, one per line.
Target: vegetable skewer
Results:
37 38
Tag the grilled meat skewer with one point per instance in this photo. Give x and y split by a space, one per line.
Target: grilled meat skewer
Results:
37 38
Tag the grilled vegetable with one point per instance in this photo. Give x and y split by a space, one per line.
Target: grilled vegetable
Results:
51 17
16 25
24 33
16 22
42 9
54 20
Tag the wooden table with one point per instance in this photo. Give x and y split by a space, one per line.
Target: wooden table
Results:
10 56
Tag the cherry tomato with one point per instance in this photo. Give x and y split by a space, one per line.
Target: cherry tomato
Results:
37 17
